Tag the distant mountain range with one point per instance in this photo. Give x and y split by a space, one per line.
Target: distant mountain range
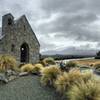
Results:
71 51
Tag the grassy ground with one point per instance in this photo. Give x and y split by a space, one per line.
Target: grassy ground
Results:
87 61
27 88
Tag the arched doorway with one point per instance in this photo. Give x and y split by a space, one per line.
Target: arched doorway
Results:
24 49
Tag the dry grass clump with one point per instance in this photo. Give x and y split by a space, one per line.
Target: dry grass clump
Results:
7 62
84 91
27 68
48 61
71 64
49 75
97 66
37 68
68 66
62 83
65 80
87 76
74 76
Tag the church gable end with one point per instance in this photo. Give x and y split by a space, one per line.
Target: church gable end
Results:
19 39
25 27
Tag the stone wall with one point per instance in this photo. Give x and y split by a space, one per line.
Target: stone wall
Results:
16 34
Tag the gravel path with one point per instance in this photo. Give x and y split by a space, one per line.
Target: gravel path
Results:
27 88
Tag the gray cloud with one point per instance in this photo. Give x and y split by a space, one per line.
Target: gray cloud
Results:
63 5
55 22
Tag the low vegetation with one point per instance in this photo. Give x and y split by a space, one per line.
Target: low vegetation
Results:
67 66
71 64
97 68
7 62
87 62
49 75
87 76
37 68
89 90
65 80
48 61
69 82
27 68
62 83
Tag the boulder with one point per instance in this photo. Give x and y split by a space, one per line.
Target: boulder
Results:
23 74
3 78
10 73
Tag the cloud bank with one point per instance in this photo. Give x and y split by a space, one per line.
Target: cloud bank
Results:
60 25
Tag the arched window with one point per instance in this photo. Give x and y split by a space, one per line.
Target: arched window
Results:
24 49
24 27
12 47
9 21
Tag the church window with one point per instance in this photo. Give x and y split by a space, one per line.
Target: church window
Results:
9 21
24 27
12 47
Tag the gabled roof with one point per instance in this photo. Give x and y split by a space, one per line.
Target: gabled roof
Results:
16 21
20 18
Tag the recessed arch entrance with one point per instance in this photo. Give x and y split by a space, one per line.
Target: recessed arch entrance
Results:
24 53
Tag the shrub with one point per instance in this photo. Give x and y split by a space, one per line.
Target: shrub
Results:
7 62
62 83
71 64
68 66
84 91
27 68
48 61
75 70
87 76
97 65
74 76
97 69
65 80
37 68
49 75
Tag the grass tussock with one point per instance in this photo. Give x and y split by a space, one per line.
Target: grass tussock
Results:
74 76
87 76
27 68
84 91
37 68
65 80
71 64
7 62
48 61
49 75
68 66
62 83
97 67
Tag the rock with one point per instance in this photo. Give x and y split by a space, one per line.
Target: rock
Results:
10 73
3 78
12 78
23 74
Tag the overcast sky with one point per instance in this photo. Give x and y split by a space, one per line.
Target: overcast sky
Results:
61 26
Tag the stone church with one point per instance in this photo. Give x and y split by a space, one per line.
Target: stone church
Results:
18 39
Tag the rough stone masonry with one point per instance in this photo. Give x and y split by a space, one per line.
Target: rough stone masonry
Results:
18 39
